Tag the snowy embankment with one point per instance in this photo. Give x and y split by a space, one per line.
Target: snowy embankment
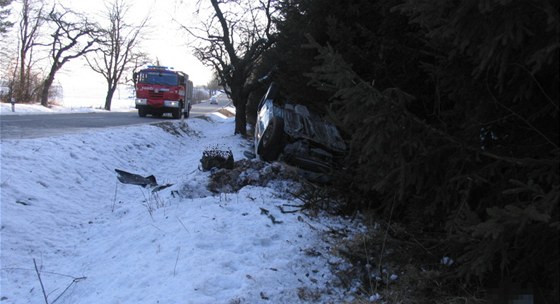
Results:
119 105
95 240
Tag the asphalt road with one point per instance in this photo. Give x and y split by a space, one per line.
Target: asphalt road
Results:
45 125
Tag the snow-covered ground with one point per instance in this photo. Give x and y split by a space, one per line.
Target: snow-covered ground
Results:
118 105
96 240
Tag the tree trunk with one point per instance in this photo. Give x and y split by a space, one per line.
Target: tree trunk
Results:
45 90
109 97
47 84
240 118
20 96
239 102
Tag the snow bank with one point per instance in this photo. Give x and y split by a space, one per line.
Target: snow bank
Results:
119 105
96 240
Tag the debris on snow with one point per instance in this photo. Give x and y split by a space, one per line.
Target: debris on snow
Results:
136 179
249 172
139 180
216 158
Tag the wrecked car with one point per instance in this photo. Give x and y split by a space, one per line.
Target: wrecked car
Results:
291 133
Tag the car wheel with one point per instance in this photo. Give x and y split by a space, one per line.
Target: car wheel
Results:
271 143
177 113
142 112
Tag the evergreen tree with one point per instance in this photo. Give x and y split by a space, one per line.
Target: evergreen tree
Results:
451 112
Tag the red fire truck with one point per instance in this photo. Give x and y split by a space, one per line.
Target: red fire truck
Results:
162 90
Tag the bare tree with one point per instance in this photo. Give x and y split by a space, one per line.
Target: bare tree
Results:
118 52
74 36
31 20
232 42
138 60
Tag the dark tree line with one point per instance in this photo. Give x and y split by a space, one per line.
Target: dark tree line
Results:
451 112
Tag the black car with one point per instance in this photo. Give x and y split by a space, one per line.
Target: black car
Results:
290 132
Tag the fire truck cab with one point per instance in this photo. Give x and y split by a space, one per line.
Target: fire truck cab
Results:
162 90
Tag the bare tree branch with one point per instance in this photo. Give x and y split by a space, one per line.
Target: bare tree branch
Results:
31 20
70 40
118 51
231 42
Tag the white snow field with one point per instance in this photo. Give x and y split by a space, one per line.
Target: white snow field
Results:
96 240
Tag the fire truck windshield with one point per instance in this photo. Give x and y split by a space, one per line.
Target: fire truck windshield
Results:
156 77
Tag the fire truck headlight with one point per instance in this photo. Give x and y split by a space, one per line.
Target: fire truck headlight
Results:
141 101
171 103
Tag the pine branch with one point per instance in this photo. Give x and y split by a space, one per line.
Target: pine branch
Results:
531 126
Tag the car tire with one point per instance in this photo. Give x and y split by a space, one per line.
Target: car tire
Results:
177 113
272 140
142 112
